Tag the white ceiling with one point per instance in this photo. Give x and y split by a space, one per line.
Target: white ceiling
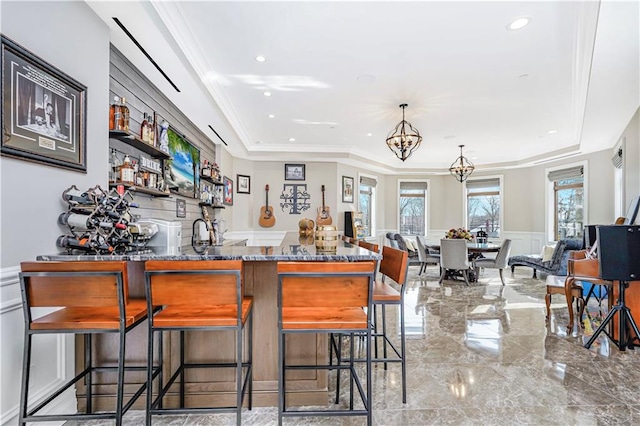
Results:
337 71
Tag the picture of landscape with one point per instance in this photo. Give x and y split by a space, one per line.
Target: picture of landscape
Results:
182 169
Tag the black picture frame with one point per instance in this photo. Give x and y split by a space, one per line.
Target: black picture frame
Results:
294 172
347 189
227 194
243 184
43 111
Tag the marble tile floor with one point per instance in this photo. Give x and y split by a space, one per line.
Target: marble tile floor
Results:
482 355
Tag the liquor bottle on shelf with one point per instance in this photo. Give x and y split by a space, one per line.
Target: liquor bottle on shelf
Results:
144 128
206 170
126 171
115 114
125 116
114 163
152 130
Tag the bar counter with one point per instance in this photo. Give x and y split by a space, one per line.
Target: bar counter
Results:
308 387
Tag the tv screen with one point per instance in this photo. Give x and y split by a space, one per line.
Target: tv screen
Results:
182 170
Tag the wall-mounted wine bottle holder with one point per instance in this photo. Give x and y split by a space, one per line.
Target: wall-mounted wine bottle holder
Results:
99 221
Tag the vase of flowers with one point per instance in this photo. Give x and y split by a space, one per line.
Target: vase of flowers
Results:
459 233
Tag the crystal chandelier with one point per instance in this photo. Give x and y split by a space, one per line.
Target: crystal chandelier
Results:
403 139
462 168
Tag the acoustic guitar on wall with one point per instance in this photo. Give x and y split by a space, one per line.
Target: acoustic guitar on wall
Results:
323 218
267 219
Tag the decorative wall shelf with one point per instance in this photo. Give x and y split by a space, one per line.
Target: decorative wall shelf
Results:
140 189
211 180
213 206
138 144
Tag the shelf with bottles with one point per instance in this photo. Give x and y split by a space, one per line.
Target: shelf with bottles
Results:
213 206
140 189
210 172
138 143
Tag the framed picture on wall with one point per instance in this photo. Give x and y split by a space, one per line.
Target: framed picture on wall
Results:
227 191
182 173
43 111
347 189
294 172
244 184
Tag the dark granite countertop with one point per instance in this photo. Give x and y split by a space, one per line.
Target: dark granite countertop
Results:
292 248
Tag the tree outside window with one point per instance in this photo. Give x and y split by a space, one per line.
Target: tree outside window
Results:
569 201
484 206
412 204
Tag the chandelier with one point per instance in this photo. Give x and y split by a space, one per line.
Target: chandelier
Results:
462 168
403 139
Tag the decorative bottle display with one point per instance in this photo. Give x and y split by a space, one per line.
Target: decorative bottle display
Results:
126 171
98 222
115 114
152 130
125 115
144 128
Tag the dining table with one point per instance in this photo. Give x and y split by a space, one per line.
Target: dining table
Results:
476 250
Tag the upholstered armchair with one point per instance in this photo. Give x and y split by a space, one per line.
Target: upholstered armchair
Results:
556 266
425 256
402 245
500 261
392 240
454 256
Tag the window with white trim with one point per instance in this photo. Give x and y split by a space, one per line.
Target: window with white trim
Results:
484 206
412 204
367 203
568 202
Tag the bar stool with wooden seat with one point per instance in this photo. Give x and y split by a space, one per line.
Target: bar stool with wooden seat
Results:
325 297
367 245
199 295
92 298
394 265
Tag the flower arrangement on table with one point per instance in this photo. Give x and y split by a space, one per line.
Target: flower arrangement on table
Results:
459 233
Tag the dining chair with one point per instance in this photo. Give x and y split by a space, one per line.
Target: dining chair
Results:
454 256
425 256
500 261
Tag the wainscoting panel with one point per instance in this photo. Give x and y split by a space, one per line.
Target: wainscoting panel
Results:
51 363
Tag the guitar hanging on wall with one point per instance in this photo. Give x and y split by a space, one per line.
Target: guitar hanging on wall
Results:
323 218
267 219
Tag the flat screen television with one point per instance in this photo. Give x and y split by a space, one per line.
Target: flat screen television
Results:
182 175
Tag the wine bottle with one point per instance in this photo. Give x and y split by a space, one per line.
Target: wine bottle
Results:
115 114
86 243
75 197
83 222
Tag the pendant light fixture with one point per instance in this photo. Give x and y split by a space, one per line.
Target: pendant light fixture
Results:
462 168
404 139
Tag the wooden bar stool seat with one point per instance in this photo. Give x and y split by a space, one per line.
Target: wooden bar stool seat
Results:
92 298
198 296
325 297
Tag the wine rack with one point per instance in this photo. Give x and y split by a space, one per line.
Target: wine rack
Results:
99 222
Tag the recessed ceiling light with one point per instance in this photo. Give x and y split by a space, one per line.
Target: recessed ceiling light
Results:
260 58
271 116
519 23
267 93
258 142
369 134
366 78
552 132
523 76
292 139
450 137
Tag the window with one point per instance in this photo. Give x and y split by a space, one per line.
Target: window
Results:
568 202
367 203
413 208
484 206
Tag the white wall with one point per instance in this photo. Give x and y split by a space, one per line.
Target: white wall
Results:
76 41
